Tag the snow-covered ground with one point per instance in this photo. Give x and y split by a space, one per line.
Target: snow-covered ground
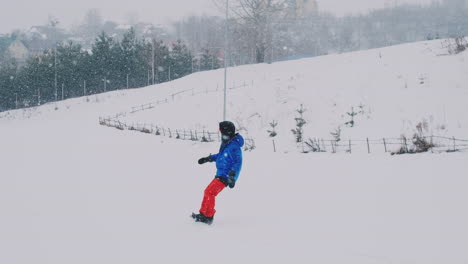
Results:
72 191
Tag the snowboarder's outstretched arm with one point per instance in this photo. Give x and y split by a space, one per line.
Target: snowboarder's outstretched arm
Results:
213 157
209 158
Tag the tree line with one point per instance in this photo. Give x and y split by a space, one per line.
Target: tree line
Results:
69 71
267 31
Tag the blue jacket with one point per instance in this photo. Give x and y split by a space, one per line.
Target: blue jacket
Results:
229 157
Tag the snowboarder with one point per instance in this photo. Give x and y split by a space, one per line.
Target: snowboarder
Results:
228 165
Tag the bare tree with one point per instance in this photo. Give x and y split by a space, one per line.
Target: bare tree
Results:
255 20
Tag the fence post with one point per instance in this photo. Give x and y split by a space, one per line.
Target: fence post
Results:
350 146
368 147
454 144
274 147
406 145
324 146
385 145
432 144
333 146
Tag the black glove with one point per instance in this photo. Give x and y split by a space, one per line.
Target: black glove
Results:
205 160
231 180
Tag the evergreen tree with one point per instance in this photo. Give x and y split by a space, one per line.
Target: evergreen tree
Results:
103 62
71 72
180 61
209 61
8 79
161 60
36 80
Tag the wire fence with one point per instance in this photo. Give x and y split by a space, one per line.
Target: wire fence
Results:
188 92
400 145
182 134
387 145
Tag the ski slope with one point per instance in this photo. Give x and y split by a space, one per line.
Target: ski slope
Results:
72 191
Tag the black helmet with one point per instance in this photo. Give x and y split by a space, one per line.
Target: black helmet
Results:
227 128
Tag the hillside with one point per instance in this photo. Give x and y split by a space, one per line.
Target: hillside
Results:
72 191
391 90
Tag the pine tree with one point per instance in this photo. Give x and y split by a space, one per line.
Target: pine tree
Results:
8 73
300 123
103 62
70 70
209 61
180 60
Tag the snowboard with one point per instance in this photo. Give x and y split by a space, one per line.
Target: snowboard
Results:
205 221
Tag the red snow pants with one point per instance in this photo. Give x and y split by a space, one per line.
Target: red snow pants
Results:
208 204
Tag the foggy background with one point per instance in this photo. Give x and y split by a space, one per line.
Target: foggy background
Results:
51 51
22 14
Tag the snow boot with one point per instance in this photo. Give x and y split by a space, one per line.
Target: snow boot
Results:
202 218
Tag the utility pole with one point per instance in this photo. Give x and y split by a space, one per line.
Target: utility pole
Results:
55 69
38 96
127 80
226 56
62 91
152 59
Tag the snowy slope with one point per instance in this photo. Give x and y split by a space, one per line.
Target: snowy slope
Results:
72 191
392 90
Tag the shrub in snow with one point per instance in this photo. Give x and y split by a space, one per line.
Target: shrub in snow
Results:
457 45
336 134
249 145
421 144
145 130
300 122
313 145
351 114
272 132
419 141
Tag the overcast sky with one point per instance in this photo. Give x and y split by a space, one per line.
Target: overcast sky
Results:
22 14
